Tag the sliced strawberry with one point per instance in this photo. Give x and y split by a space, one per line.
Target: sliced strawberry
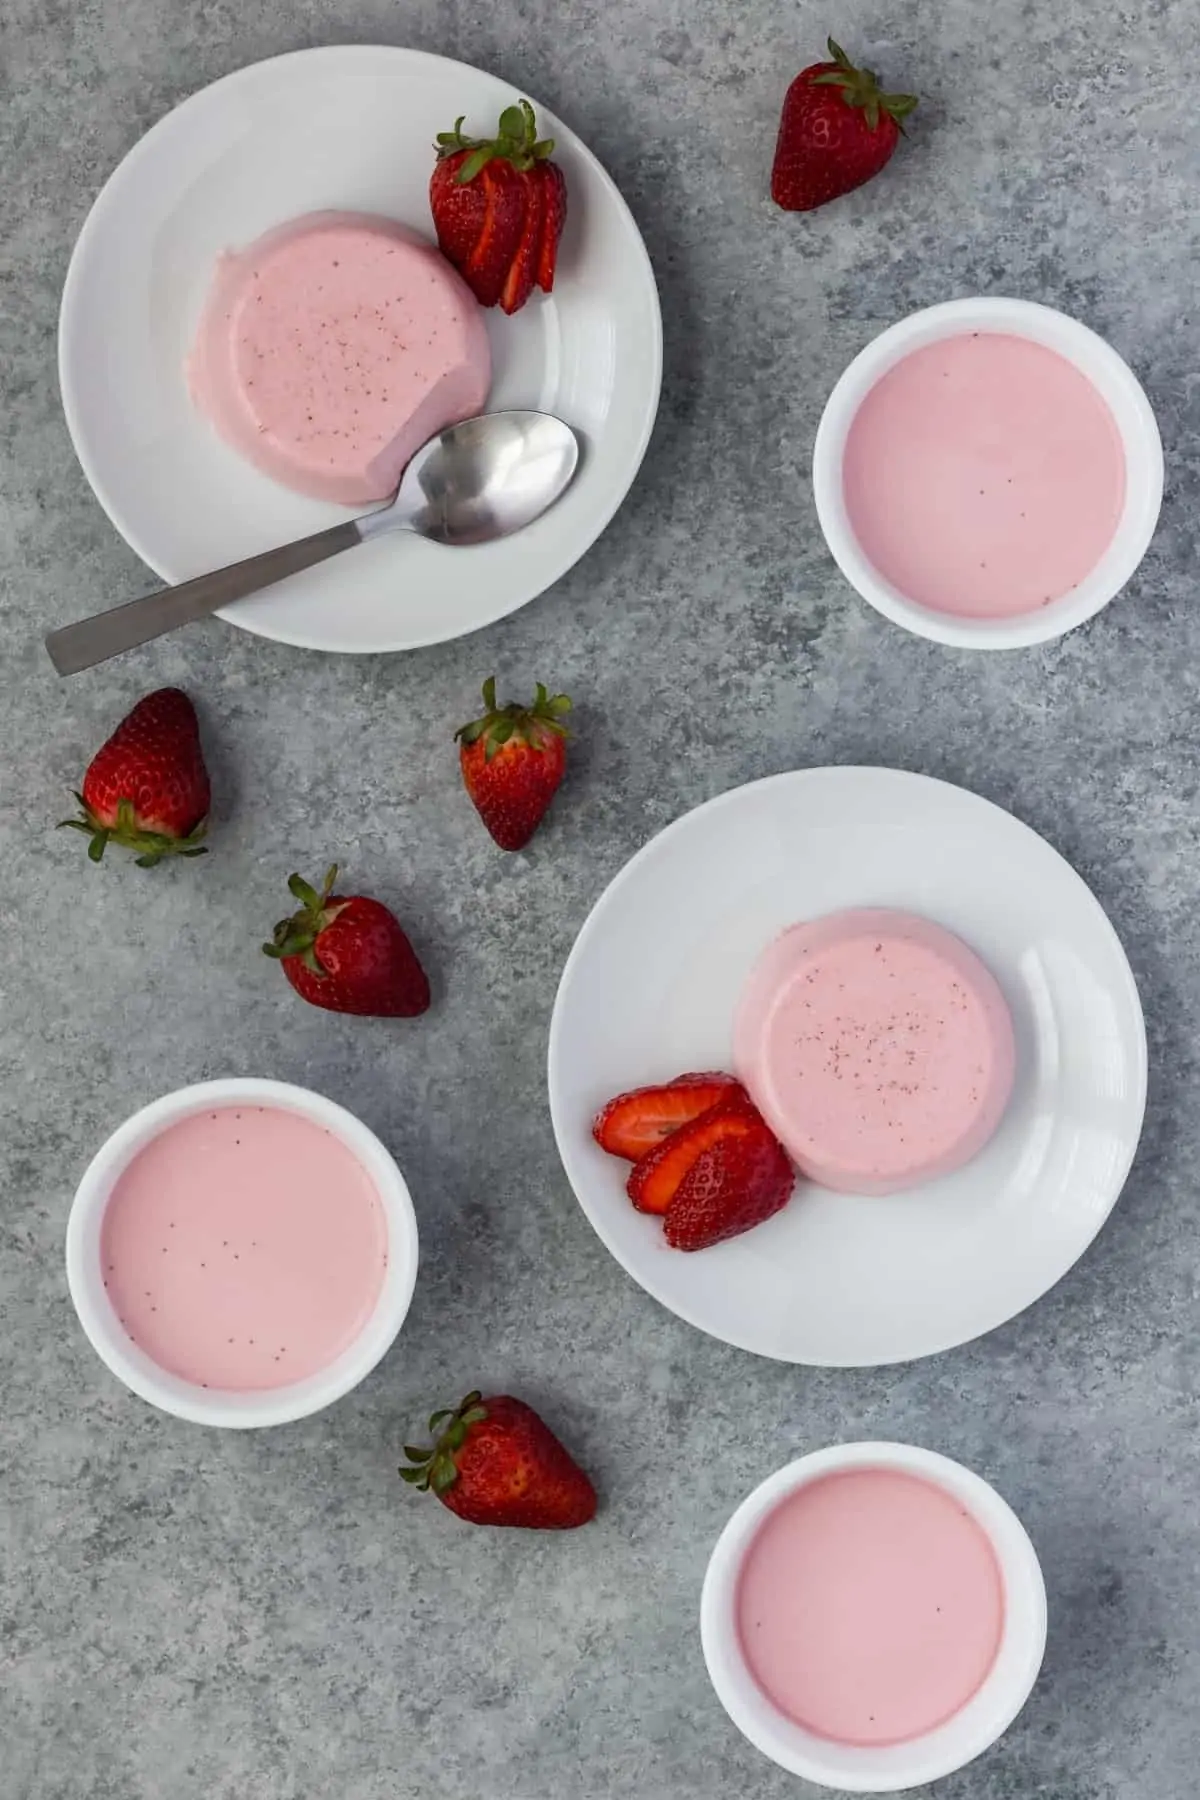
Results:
505 203
554 217
655 1177
636 1122
741 1177
498 206
459 208
518 284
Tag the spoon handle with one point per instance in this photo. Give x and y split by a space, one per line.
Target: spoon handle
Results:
94 640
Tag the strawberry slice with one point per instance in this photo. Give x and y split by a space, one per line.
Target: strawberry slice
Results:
654 1179
636 1122
498 207
505 200
741 1177
715 1178
733 1187
554 217
518 284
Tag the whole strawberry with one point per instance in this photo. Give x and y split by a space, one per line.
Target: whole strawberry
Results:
494 1462
837 131
348 954
499 205
147 788
512 760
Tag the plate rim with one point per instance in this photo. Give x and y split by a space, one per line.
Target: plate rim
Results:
70 303
785 778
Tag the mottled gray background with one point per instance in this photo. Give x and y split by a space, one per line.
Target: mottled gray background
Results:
197 1616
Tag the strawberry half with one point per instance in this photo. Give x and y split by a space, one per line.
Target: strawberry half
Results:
498 208
637 1122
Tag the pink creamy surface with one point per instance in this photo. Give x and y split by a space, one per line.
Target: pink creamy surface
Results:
984 476
878 1047
244 1248
870 1607
332 348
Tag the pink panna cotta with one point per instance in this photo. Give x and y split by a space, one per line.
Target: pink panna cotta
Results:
332 348
878 1047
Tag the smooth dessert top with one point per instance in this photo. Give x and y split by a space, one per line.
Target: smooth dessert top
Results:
331 349
878 1047
244 1248
984 476
870 1607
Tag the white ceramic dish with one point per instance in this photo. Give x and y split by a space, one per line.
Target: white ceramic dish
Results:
650 989
348 127
879 1770
209 1406
1112 378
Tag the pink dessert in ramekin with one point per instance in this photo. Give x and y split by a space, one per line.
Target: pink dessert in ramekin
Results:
878 1047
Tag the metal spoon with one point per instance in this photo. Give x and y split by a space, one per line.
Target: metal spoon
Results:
475 482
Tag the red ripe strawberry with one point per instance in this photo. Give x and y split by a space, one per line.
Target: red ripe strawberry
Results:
655 1177
837 131
714 1178
522 272
498 208
637 1122
554 217
349 955
738 1180
494 1462
147 788
479 225
512 761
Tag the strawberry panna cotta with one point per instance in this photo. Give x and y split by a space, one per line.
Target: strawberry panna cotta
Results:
704 1159
837 132
499 205
147 788
348 954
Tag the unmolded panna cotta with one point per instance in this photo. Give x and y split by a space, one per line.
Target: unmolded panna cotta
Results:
870 1607
878 1047
332 348
984 476
244 1248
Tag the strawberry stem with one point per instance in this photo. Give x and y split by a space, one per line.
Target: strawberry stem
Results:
297 936
152 847
860 87
532 725
434 1466
516 140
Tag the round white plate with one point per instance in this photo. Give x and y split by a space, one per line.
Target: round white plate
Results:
350 127
649 991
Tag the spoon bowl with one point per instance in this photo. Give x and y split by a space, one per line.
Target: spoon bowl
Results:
482 480
471 484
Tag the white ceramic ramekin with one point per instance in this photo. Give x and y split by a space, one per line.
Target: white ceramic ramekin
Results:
1112 378
888 1769
211 1406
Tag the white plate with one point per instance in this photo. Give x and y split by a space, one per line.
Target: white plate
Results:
350 127
649 991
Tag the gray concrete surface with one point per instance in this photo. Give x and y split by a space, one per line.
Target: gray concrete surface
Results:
191 1616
